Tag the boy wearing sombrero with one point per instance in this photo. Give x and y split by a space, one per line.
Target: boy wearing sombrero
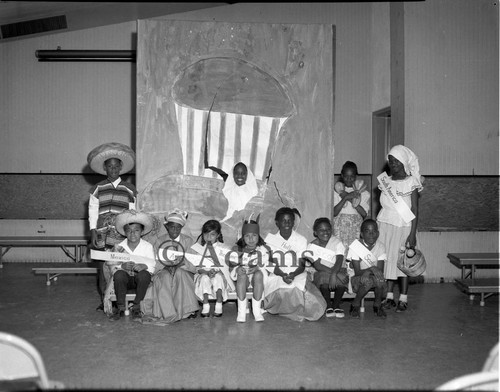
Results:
133 275
108 198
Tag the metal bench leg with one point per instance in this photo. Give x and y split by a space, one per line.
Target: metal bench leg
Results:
51 277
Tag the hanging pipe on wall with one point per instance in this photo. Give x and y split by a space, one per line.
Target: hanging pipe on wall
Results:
86 55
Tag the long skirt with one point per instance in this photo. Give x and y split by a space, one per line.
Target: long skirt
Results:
172 296
393 237
296 304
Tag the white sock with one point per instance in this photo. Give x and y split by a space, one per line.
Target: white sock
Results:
403 297
205 309
390 296
218 307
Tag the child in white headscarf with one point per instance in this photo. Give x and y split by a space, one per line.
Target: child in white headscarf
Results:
398 221
239 188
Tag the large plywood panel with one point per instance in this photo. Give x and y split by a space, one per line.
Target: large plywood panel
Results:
265 74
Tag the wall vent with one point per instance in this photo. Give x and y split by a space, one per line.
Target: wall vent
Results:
34 26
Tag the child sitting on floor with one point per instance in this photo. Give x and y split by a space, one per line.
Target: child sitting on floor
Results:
368 257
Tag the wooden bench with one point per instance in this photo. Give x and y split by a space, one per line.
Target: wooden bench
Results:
79 243
486 287
53 272
468 283
231 296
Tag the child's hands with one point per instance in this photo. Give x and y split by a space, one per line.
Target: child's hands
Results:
379 275
128 266
343 278
139 267
411 241
240 271
365 278
212 273
333 282
288 278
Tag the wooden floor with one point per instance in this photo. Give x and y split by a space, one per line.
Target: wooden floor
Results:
443 335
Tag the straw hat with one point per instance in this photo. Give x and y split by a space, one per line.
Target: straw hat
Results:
102 153
133 216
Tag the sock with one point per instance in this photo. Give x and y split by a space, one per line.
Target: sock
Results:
218 307
403 298
389 295
206 309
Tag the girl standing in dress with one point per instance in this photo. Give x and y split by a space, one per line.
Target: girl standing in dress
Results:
209 281
398 218
351 205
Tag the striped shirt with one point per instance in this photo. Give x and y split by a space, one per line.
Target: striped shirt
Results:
110 198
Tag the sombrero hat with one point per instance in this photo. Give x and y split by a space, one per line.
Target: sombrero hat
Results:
133 216
102 153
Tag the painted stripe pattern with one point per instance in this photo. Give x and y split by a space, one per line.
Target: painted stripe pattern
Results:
232 138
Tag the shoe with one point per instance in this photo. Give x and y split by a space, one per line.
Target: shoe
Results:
388 304
379 311
205 311
330 312
100 308
338 313
401 306
116 315
136 314
257 310
192 315
242 311
218 309
354 312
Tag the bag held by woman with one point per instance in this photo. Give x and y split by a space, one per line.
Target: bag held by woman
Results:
411 262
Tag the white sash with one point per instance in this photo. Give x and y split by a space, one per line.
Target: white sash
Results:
117 258
399 204
277 243
363 253
327 256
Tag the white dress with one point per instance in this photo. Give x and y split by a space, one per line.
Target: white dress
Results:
203 284
299 300
392 227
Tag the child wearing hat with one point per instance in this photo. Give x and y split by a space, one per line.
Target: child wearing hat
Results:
108 198
173 284
133 275
249 271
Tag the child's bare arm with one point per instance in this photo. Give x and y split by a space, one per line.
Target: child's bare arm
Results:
412 237
356 265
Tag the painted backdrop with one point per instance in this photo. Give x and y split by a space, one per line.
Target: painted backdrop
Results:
211 94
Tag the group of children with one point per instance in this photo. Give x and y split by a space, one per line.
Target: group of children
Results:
286 274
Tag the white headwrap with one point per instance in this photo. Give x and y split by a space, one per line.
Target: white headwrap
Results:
238 196
409 160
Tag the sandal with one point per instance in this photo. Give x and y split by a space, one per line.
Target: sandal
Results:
330 312
339 313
